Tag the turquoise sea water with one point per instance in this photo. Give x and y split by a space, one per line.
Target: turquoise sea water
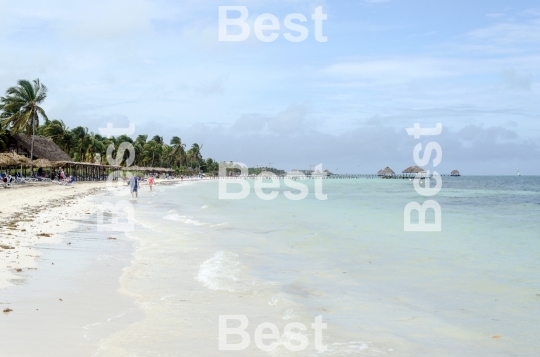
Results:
472 289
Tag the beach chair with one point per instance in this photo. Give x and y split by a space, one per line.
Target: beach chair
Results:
70 182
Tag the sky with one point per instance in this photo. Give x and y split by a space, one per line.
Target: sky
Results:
472 66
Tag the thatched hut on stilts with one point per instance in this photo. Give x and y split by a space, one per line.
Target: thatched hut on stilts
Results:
386 172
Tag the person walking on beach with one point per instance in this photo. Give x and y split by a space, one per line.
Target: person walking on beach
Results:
133 186
150 181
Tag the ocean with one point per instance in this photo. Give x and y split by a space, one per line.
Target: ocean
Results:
472 289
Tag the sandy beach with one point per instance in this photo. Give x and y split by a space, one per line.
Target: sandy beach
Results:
38 213
56 270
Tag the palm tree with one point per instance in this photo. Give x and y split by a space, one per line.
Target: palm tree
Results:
194 153
150 150
21 108
94 148
80 135
158 139
4 139
178 149
58 132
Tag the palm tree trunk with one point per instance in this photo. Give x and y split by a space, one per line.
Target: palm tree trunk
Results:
32 145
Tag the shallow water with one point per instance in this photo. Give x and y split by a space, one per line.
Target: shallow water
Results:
470 290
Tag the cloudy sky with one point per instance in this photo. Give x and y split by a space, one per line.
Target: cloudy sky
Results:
345 103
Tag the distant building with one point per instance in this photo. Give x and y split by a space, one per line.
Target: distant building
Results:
386 172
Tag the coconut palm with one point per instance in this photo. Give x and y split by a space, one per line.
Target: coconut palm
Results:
4 139
21 108
178 149
94 148
158 139
150 150
58 132
80 136
194 153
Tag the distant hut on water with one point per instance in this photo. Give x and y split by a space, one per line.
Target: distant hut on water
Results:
413 170
455 173
386 172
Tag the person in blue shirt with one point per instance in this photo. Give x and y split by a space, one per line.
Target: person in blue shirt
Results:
134 186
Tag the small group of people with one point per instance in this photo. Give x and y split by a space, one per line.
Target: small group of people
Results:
7 178
134 184
62 177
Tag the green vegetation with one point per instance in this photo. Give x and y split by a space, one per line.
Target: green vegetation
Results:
21 109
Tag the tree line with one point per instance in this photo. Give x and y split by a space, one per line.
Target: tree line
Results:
21 112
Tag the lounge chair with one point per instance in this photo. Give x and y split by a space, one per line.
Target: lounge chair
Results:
70 182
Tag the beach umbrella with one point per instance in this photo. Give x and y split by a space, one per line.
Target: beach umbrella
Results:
43 163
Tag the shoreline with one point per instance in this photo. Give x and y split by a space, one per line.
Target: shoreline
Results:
68 298
37 213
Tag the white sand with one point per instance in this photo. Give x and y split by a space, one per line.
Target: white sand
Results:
34 213
37 213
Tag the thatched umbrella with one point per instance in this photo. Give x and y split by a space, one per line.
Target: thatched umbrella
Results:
12 159
6 160
43 163
386 172
455 173
413 170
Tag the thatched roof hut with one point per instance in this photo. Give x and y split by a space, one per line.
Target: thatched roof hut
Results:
84 164
413 170
44 148
386 172
43 163
455 173
13 160
147 169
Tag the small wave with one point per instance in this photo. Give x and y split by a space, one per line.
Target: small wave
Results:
289 314
222 272
184 219
204 207
356 348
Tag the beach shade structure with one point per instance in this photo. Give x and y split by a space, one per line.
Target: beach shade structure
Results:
87 171
6 160
44 148
455 173
43 163
13 160
386 172
146 169
137 169
413 170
